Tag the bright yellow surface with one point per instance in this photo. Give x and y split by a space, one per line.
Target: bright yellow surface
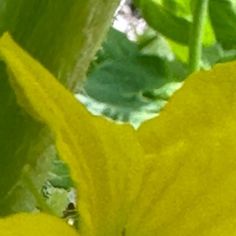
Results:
195 142
178 182
35 225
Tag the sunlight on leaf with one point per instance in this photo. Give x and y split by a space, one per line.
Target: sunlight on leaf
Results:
182 184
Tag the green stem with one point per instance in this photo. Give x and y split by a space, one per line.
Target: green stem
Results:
196 34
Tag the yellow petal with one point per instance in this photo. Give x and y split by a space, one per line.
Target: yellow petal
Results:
187 187
191 185
35 224
106 159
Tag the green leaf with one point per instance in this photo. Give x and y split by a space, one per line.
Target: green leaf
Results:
62 36
122 80
152 43
215 54
223 18
165 22
26 195
121 87
178 7
173 19
60 175
127 83
211 55
45 185
116 45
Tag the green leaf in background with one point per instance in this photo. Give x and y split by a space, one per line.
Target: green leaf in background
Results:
185 8
216 54
224 27
44 186
153 44
164 21
180 8
60 175
128 83
116 45
223 18
173 19
63 37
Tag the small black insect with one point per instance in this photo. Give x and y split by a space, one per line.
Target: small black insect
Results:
70 214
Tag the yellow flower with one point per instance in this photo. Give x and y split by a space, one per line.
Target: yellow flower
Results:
175 176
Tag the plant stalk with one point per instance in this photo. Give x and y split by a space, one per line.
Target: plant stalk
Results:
196 34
